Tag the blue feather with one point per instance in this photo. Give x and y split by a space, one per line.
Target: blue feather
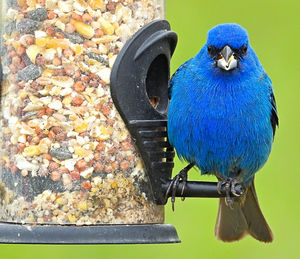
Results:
221 120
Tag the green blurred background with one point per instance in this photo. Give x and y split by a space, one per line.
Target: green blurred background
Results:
274 29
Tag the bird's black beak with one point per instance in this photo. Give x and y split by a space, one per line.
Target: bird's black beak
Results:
226 59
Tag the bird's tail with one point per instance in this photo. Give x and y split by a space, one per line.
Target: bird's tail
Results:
244 218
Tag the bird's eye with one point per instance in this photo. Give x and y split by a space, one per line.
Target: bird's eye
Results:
211 50
244 49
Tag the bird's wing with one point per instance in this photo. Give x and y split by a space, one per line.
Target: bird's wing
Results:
177 72
274 115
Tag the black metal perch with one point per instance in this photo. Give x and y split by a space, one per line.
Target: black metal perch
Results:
199 189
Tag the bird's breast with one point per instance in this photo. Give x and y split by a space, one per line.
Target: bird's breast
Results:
221 126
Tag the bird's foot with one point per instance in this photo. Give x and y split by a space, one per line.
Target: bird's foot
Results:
231 186
180 177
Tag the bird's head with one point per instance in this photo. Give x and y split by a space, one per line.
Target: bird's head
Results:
227 47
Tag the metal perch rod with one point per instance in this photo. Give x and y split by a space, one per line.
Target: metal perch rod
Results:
199 189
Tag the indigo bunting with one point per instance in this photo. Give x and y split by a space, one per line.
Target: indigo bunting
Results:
222 118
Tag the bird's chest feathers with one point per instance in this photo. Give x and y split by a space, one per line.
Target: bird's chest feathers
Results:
222 117
230 111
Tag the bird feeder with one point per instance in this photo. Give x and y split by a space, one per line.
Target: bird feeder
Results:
84 98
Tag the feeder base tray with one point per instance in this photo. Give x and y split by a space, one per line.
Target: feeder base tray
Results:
102 234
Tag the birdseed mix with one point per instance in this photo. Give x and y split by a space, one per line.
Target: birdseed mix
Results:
66 155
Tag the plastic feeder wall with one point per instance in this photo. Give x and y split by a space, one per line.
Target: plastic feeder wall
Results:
71 171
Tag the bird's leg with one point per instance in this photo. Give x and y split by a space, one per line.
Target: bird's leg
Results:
225 184
231 186
182 175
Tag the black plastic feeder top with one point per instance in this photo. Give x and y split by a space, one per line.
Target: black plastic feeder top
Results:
139 88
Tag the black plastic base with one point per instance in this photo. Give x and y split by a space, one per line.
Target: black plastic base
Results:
104 234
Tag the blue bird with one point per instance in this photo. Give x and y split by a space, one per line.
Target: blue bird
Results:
222 118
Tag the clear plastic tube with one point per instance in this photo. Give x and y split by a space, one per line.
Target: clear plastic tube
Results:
66 155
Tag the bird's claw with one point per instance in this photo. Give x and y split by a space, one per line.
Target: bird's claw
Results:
236 188
181 176
231 186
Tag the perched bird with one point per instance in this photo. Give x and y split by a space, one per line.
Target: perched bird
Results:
222 118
